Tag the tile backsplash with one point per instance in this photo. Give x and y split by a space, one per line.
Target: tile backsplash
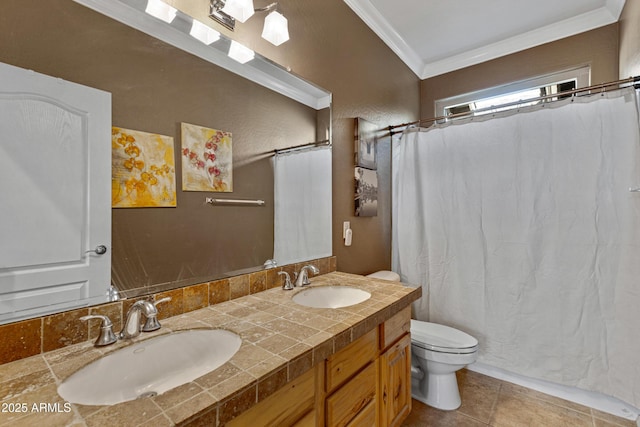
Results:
41 334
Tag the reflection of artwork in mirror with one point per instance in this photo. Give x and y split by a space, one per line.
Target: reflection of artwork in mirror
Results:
366 197
207 163
365 144
143 169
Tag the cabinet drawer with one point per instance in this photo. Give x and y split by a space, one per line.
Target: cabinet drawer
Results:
308 420
343 405
366 417
283 407
395 327
343 364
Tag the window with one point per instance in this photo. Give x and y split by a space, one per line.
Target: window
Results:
481 102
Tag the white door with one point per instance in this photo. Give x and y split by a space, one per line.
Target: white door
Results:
55 204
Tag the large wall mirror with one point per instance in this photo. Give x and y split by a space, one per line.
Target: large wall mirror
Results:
160 78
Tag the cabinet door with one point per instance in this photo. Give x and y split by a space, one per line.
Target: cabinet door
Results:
395 377
55 173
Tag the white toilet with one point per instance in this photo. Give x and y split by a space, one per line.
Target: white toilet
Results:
437 352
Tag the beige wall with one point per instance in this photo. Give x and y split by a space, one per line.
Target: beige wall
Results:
333 48
597 48
342 54
630 39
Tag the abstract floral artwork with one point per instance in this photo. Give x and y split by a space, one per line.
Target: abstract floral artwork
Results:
207 163
143 169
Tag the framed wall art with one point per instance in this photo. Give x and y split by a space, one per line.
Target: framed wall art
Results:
366 194
143 169
207 162
365 144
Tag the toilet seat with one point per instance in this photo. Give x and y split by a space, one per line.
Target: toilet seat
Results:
441 338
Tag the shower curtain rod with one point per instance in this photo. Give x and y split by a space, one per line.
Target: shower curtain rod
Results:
303 146
602 87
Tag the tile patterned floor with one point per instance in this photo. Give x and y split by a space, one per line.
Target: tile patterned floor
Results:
487 401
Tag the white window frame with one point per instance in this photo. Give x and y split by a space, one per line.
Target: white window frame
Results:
582 75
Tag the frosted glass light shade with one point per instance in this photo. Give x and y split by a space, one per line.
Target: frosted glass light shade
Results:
240 52
239 9
161 10
276 28
204 33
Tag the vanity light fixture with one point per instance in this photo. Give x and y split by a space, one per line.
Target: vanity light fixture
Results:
161 10
276 28
226 12
204 33
240 52
239 9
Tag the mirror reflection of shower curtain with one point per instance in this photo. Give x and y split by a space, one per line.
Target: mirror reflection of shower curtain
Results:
302 193
522 231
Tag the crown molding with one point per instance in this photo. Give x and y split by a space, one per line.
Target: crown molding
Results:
379 24
605 15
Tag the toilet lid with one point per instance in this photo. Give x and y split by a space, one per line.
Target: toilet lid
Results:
385 275
436 337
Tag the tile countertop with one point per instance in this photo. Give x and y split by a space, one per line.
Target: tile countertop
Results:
281 340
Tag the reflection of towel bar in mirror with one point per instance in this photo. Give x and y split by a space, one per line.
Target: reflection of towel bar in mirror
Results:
213 201
322 143
634 190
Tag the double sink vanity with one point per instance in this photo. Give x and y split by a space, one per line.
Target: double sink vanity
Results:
334 353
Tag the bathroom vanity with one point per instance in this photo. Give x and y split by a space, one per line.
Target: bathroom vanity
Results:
365 384
297 365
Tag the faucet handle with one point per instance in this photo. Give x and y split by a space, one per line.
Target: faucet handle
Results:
106 336
161 300
287 286
151 323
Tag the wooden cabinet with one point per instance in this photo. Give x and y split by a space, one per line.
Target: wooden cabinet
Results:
351 382
395 383
344 364
367 383
366 417
395 327
293 404
348 401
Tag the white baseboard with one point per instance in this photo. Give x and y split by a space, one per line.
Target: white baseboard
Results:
594 400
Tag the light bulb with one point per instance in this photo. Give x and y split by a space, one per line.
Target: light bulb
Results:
204 33
240 52
161 10
275 29
239 9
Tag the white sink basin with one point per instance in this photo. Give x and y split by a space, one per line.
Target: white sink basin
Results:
331 296
150 367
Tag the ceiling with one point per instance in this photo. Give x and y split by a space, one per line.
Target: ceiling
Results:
438 36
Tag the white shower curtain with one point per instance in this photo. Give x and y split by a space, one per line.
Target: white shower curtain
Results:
302 212
523 232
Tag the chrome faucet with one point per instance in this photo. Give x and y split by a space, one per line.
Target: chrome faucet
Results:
106 336
287 286
131 328
302 278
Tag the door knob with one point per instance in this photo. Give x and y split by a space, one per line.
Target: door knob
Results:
99 250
